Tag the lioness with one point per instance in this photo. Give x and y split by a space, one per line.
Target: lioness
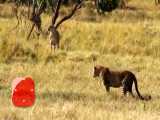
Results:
117 79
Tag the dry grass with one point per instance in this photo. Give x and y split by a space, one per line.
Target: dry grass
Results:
65 88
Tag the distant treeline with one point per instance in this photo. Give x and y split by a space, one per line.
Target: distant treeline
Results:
101 5
66 2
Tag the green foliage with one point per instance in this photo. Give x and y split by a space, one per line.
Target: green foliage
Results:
39 2
107 5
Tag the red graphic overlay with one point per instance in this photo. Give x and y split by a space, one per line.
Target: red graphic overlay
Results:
23 92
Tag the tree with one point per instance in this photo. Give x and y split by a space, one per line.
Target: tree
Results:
108 5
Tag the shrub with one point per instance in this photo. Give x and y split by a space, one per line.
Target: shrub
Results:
107 5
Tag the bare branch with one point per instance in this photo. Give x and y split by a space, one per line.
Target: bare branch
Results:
30 32
56 12
42 8
36 17
77 6
32 19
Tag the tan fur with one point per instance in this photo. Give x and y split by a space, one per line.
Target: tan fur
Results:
117 79
54 37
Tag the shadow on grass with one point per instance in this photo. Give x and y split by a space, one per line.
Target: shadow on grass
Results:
55 96
69 96
6 16
132 8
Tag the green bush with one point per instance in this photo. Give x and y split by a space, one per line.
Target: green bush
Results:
107 5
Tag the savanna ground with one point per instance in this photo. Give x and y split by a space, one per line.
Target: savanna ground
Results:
65 89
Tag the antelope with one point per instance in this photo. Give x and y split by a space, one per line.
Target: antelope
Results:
54 36
36 18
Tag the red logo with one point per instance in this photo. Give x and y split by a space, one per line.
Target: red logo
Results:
23 92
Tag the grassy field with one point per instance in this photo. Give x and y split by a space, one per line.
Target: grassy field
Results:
65 88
